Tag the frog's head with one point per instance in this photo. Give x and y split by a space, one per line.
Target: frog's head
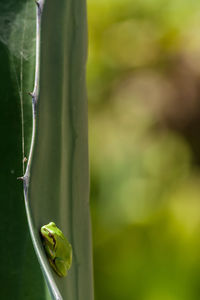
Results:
48 234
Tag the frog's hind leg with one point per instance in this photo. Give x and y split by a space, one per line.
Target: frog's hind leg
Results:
52 263
61 268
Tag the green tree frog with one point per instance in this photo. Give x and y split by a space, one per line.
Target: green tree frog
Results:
57 247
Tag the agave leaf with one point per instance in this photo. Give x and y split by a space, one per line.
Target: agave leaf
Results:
58 189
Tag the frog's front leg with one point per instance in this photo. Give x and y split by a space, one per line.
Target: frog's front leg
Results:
50 252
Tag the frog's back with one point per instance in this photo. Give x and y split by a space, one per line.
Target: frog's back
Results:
64 248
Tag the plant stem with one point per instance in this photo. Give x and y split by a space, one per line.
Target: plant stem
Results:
35 93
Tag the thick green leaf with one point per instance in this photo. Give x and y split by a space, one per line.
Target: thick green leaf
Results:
59 175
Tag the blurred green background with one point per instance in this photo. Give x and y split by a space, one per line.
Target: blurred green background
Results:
144 132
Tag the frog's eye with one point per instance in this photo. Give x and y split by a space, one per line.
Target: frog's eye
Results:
52 224
48 236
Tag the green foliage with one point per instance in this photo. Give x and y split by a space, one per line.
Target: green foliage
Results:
143 83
